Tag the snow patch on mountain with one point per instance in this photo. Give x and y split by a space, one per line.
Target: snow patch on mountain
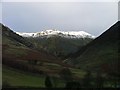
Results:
54 32
26 34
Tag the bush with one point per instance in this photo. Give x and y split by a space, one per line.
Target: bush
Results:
87 80
48 83
66 75
5 84
75 85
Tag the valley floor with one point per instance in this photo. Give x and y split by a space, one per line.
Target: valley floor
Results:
16 78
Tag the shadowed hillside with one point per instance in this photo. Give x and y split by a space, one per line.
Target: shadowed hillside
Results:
94 66
100 54
59 46
17 48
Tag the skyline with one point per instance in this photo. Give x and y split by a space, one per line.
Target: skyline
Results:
92 17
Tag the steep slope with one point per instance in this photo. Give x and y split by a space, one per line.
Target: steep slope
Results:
16 47
23 66
13 38
59 46
101 54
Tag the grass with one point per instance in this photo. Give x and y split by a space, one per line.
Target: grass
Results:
18 78
18 51
77 72
51 66
14 47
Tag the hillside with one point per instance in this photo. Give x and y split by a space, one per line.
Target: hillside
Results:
58 43
22 57
15 46
59 46
26 60
101 54
10 37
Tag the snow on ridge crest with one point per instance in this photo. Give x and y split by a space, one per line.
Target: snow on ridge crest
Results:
52 32
26 34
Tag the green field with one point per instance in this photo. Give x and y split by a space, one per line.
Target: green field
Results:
17 78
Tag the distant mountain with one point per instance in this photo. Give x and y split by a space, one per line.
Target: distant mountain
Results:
100 54
54 32
59 46
57 42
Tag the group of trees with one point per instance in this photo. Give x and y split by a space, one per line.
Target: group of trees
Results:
65 75
93 82
22 66
89 81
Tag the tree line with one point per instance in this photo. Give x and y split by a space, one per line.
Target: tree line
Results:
89 80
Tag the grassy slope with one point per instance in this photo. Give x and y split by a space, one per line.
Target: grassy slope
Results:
17 78
16 48
59 46
19 51
101 53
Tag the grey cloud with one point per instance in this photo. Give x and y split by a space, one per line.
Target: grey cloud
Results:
92 17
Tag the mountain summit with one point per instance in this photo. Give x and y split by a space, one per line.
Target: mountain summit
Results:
55 32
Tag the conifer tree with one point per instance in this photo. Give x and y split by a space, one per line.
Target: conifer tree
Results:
87 80
48 82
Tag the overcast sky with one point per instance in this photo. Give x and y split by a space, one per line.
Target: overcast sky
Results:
92 17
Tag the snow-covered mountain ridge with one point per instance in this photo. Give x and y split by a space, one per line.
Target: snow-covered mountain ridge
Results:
54 32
